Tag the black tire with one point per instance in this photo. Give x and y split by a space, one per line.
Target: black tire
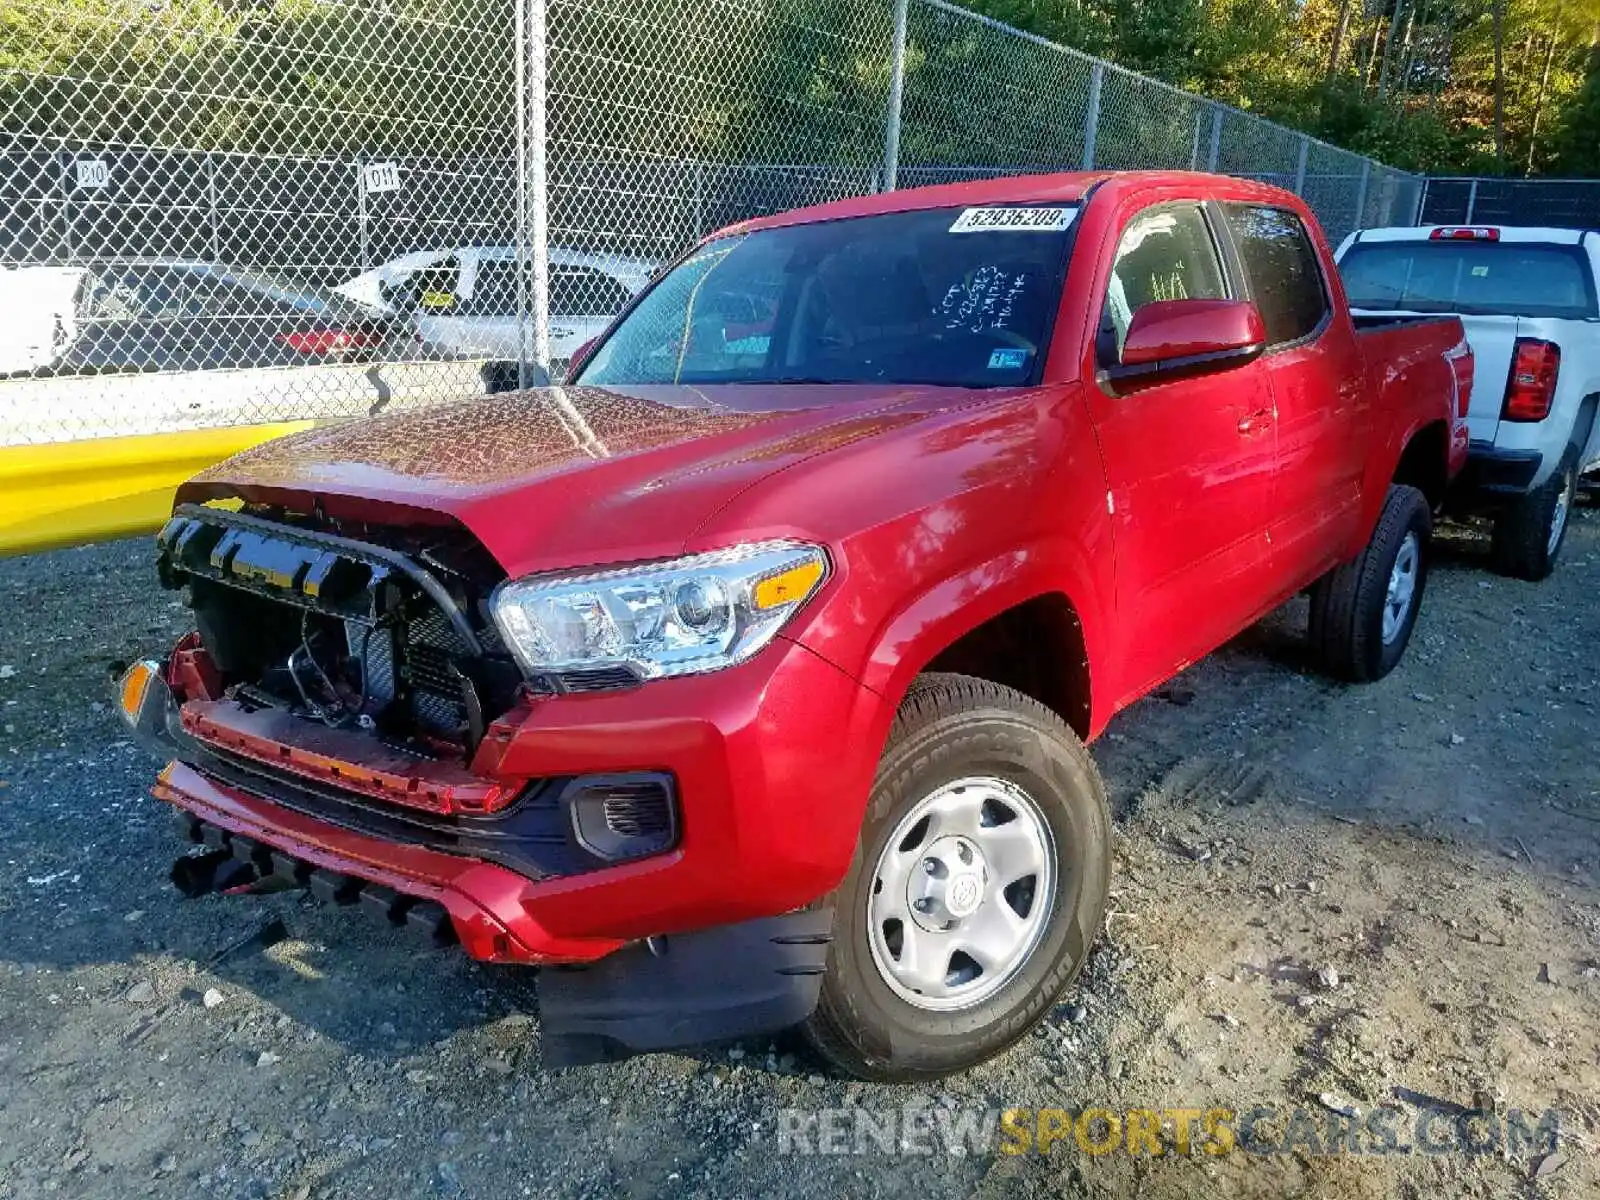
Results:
1526 542
948 728
1349 602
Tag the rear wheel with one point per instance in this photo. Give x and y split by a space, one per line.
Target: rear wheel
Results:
1362 612
976 889
1529 534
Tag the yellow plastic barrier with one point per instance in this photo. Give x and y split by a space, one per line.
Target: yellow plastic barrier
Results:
67 493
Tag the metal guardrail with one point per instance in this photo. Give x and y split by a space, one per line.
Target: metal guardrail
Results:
67 493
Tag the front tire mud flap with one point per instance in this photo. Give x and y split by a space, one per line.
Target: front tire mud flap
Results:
732 981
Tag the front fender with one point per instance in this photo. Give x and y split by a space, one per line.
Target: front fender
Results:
930 620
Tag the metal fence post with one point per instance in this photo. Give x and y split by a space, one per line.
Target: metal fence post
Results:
1194 148
1215 154
699 200
1091 117
1361 194
519 73
1300 168
538 182
211 205
361 210
897 88
67 170
1422 202
1472 202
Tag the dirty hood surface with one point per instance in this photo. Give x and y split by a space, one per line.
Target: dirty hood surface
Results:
563 476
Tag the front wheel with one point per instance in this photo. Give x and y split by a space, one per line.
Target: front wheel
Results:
977 886
1362 612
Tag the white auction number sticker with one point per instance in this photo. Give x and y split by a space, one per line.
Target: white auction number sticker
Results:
1014 220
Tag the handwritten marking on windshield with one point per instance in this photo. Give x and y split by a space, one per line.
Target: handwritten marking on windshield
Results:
985 300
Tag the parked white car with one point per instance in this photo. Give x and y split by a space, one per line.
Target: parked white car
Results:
38 315
465 299
1527 298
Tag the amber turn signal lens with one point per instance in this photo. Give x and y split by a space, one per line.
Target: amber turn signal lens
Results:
788 587
134 686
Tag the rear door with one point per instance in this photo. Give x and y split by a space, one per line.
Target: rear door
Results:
1189 462
1318 380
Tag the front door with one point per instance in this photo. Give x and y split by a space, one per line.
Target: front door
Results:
1190 464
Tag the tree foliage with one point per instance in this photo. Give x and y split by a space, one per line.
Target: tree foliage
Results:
1413 83
1410 82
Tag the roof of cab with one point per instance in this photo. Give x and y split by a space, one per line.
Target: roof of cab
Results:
1067 187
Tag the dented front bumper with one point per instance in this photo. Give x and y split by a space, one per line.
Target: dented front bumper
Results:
723 934
679 967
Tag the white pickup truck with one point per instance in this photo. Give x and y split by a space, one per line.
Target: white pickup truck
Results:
1528 301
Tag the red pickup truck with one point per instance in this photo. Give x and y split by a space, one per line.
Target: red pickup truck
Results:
748 676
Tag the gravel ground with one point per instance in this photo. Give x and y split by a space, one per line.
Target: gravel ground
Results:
1323 895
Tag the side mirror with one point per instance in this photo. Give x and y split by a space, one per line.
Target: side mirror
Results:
1170 339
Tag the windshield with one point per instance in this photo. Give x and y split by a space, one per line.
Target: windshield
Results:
958 297
1517 279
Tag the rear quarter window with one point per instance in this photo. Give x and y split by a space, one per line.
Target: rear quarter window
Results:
1281 263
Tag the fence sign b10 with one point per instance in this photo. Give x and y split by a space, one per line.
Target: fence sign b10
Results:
92 172
380 177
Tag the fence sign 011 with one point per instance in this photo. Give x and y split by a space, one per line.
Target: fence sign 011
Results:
92 172
380 177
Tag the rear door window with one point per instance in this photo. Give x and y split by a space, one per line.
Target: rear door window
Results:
1286 280
584 292
574 291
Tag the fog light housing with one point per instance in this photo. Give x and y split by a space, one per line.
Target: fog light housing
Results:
621 817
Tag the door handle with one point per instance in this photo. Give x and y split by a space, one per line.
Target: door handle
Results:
1256 420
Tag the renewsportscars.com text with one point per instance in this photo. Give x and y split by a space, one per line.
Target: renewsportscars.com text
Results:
1262 1129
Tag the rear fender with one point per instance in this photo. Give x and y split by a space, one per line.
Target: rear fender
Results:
1382 466
1429 375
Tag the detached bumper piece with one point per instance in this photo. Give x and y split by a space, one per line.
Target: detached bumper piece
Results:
731 982
238 862
667 993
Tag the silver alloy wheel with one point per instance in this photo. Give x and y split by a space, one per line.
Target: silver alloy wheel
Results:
1558 518
961 894
1402 587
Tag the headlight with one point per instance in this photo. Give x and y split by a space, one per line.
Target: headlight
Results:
682 617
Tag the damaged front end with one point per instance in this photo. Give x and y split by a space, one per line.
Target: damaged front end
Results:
394 639
345 721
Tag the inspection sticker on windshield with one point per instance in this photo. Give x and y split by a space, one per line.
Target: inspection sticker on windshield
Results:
1013 220
1007 359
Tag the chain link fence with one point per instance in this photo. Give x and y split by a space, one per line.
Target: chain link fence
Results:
1563 203
220 214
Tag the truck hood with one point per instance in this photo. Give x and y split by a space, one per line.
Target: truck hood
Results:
559 477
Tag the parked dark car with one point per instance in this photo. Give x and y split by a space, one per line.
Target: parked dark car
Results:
151 315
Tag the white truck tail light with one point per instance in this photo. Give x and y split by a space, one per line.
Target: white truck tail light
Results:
1532 383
